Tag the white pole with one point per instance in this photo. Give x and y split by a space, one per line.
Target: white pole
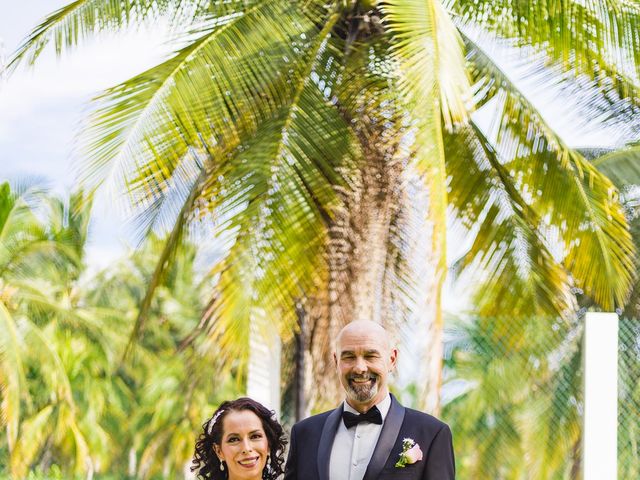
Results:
601 396
263 379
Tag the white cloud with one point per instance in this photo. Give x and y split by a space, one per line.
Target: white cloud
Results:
79 75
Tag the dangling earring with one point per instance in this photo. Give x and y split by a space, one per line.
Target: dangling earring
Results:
222 465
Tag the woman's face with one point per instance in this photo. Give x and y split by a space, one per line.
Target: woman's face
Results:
244 446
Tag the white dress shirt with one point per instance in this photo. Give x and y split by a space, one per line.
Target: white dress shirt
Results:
353 448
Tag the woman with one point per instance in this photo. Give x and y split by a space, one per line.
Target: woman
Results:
241 441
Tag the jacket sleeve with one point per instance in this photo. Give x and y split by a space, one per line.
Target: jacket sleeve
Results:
290 467
440 458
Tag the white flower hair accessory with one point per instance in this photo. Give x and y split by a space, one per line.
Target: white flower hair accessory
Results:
213 421
411 453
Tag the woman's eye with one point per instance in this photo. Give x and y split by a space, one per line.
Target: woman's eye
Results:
233 439
257 435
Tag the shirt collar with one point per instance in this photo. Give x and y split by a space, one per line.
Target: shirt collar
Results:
383 405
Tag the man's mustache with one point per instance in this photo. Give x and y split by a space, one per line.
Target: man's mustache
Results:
370 376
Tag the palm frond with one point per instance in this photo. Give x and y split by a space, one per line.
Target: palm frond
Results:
12 376
415 28
621 166
434 84
207 92
429 54
522 395
511 255
593 105
567 192
424 44
44 351
68 26
596 39
76 21
277 200
173 241
33 434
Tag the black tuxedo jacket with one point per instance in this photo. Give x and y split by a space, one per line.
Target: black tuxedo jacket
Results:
312 439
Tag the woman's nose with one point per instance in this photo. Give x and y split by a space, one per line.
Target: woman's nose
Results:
246 445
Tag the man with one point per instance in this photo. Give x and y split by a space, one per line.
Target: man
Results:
370 436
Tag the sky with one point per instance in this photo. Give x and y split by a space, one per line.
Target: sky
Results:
41 109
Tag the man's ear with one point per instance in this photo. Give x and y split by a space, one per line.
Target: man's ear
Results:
394 357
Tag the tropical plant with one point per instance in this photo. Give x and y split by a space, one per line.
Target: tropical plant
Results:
294 128
68 405
516 382
167 390
41 261
622 167
518 397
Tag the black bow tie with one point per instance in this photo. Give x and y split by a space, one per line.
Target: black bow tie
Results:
372 416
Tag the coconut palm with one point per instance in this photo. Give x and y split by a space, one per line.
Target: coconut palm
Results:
67 402
39 262
517 410
294 128
165 394
517 413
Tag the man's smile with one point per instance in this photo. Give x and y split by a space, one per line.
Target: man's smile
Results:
362 379
365 381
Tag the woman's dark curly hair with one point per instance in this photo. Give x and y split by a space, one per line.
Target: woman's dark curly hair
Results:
206 462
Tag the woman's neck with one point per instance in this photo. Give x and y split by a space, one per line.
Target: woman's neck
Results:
233 477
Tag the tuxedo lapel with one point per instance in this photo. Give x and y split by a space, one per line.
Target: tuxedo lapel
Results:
326 442
386 441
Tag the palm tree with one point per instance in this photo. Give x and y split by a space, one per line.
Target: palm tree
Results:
517 380
294 128
38 263
517 410
66 400
622 167
165 393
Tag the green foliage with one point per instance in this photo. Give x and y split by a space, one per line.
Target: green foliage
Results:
66 398
514 383
517 406
629 388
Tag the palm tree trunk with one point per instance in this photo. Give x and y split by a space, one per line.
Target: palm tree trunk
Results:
358 254
429 398
576 461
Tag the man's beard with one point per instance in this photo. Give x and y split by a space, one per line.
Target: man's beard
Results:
362 392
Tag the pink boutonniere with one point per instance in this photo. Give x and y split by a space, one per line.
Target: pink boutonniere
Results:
411 453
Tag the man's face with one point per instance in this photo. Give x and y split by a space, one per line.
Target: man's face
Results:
364 359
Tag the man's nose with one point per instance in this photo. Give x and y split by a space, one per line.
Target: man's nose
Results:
360 366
